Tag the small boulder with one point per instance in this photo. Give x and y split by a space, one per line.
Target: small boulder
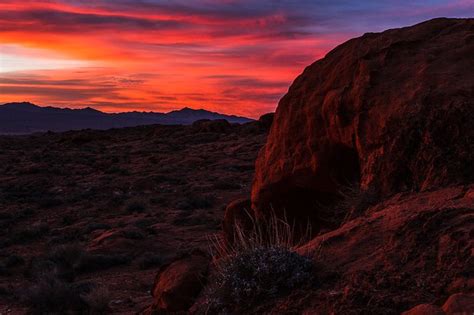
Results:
425 309
178 284
206 125
459 304
266 120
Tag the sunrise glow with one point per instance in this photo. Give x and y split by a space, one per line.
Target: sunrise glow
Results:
235 57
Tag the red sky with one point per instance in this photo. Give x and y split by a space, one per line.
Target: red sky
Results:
230 56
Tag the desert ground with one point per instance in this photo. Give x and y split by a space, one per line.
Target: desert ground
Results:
110 207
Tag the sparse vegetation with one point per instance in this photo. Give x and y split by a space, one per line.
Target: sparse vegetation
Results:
97 262
260 264
65 201
97 300
195 201
136 207
149 260
354 201
33 232
257 274
50 294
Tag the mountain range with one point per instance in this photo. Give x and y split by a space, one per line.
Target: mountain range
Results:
25 118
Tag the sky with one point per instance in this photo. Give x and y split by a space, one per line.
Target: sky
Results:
235 57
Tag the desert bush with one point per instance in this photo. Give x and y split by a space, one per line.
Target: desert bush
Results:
6 216
97 300
50 294
94 262
49 202
353 201
12 261
226 185
257 274
260 264
68 256
149 260
194 201
133 233
135 207
4 290
34 232
96 226
143 223
68 220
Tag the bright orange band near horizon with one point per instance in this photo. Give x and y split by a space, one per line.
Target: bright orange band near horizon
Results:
235 57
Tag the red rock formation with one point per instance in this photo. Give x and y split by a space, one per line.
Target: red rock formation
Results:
178 284
391 111
405 251
425 309
459 304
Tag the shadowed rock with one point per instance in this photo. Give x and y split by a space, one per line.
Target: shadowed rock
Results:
391 111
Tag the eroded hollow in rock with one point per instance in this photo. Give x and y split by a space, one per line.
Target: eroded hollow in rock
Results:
310 196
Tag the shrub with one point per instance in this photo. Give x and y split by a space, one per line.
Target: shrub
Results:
96 226
257 274
50 294
12 261
97 300
260 264
136 207
354 201
91 262
68 256
133 233
226 185
34 232
149 260
194 201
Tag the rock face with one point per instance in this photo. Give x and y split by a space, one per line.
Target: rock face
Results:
405 251
391 111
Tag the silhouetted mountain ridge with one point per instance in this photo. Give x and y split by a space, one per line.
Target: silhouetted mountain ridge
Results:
25 117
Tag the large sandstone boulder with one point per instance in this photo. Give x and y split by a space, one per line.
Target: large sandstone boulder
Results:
391 111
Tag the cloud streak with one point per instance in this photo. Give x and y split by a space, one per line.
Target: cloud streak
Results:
231 56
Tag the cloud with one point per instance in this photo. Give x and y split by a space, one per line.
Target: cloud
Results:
232 56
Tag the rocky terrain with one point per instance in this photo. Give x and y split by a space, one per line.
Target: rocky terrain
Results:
105 209
362 200
373 146
390 116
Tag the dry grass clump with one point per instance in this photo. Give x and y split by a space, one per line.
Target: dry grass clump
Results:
261 264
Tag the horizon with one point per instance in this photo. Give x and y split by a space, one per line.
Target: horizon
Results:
230 57
121 112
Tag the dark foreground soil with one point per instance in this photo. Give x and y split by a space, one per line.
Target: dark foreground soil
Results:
129 200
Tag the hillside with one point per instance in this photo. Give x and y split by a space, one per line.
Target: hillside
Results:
25 118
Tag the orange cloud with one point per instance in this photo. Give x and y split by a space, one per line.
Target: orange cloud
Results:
234 57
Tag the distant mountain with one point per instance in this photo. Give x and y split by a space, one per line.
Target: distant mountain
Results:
24 118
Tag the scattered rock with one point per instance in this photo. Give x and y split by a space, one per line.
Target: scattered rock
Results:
178 284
